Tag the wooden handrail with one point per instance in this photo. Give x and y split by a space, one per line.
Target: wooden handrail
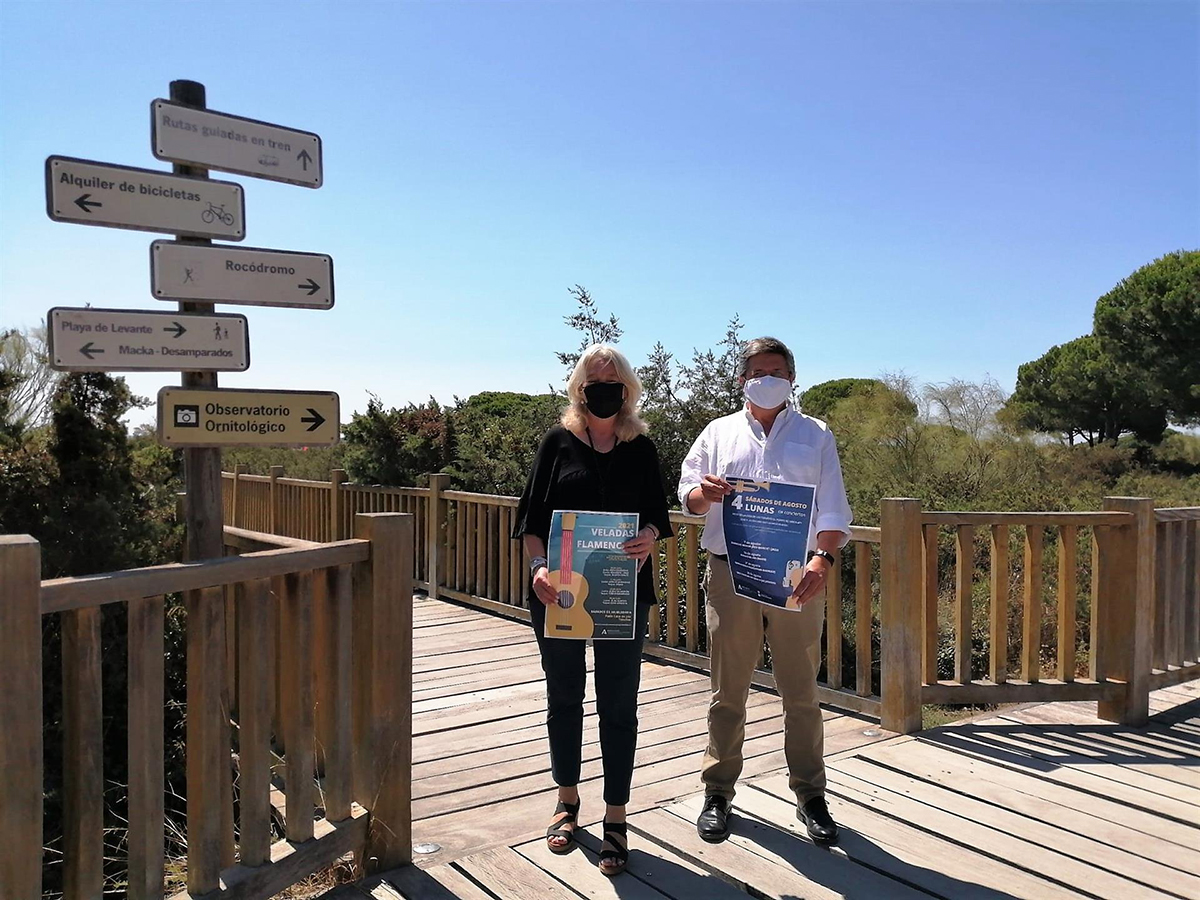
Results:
1177 514
1026 518
60 594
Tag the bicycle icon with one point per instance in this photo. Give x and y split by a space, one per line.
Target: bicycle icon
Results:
216 212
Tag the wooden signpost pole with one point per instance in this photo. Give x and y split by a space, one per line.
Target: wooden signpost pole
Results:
201 465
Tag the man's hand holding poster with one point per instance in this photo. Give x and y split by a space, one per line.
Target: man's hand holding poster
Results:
767 526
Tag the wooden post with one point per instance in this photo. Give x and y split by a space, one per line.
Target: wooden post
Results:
83 755
929 656
435 538
207 738
275 520
1031 627
964 582
900 615
1126 608
382 687
337 505
145 742
1068 540
236 519
998 618
21 713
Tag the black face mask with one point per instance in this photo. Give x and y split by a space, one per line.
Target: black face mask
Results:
604 400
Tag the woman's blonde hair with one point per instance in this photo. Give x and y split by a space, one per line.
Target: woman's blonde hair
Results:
574 418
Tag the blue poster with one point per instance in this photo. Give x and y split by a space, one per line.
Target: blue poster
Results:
595 580
767 526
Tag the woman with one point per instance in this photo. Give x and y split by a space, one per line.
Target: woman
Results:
597 458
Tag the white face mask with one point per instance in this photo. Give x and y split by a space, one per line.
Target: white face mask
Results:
767 392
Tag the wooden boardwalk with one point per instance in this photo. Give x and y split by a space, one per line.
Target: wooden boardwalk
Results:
1040 802
481 763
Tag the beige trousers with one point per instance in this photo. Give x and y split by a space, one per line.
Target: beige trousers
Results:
736 627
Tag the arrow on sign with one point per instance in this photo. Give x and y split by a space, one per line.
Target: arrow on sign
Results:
311 286
304 158
83 203
177 328
89 351
316 418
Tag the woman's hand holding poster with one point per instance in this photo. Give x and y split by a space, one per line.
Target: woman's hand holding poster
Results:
767 526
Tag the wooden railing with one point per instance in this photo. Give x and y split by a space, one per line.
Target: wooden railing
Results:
1175 644
319 510
298 653
885 603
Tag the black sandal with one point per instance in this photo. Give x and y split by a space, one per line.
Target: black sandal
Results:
564 814
612 849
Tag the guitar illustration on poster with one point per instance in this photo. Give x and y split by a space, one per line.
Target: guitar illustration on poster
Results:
595 581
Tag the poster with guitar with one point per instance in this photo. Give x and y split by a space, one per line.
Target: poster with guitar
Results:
595 580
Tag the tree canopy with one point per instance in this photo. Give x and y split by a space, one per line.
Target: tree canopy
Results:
1149 324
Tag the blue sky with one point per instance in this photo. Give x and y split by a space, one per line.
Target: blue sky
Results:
943 188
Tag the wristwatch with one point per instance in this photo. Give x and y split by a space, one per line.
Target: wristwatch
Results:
536 563
824 554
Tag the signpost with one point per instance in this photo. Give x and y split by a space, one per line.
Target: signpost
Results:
110 340
96 193
215 140
199 418
245 275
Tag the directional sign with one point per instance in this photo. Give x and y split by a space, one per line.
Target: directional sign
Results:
95 193
244 275
233 144
220 418
117 340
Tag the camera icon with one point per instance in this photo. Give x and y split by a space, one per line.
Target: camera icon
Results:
187 416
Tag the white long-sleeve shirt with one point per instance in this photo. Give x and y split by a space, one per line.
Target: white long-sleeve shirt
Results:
799 450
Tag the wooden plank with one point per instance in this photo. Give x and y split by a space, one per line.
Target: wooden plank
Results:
1000 844
338 614
439 883
879 842
1111 868
472 584
833 623
998 618
964 576
297 714
862 618
207 737
672 636
145 743
654 620
290 862
1104 819
1158 646
900 615
505 873
61 594
21 766
83 756
256 657
1035 519
1031 633
1068 568
1026 759
1191 577
930 584
1104 540
481 551
692 566
1045 691
493 552
1177 619
765 861
502 565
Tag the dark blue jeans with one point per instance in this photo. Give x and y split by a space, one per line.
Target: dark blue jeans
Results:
618 674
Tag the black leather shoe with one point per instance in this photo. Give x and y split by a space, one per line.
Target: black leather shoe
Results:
713 824
821 827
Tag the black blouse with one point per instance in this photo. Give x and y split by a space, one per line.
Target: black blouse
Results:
568 474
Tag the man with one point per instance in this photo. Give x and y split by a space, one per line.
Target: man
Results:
768 440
